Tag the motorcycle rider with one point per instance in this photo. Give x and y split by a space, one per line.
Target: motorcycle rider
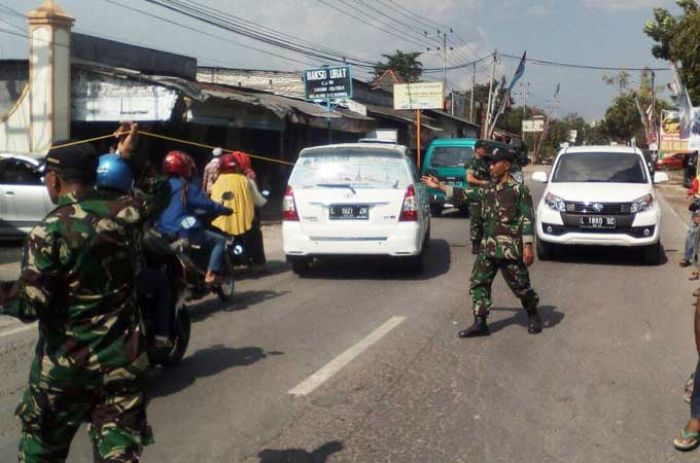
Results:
187 200
115 178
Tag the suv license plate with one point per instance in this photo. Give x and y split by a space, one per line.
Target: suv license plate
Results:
597 222
348 213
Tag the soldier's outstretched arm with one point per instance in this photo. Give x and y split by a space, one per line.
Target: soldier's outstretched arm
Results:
31 297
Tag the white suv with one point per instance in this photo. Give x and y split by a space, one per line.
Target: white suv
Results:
600 195
355 199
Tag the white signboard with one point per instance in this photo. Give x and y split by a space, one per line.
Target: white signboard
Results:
573 134
419 95
533 125
357 107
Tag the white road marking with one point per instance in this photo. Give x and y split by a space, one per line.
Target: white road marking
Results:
335 365
17 330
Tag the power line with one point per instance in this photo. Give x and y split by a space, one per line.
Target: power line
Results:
580 66
255 32
217 37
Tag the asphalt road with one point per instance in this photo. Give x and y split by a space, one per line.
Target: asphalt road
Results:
602 383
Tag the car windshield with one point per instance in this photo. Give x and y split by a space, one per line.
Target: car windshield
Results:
355 169
600 167
451 156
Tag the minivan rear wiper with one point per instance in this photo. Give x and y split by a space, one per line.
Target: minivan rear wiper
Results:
337 185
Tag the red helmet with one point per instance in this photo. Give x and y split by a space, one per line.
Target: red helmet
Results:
228 163
178 163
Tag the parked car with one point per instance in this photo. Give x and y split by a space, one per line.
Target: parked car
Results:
24 201
671 161
355 199
600 195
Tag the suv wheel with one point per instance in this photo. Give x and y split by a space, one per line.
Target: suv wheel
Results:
300 265
544 250
653 254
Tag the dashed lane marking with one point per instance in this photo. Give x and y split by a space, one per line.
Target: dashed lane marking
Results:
335 365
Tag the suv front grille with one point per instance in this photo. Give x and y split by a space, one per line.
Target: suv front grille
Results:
599 208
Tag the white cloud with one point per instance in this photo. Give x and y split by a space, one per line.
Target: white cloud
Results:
619 5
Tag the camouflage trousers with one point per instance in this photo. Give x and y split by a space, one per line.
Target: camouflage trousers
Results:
516 275
476 226
51 417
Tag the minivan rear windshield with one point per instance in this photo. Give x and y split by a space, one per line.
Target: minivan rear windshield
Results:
600 167
451 156
356 169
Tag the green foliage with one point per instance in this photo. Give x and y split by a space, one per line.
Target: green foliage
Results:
677 39
405 64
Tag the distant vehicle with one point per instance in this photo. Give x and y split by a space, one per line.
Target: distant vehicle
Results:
355 199
24 200
600 195
650 157
446 158
671 161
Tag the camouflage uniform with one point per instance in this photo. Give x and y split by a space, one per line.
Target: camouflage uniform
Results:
480 169
508 225
77 280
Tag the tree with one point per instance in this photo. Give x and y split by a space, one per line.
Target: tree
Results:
622 80
622 120
677 39
405 64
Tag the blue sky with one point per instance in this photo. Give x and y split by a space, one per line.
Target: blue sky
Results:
596 32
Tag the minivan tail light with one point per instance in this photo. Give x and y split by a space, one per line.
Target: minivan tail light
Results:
409 210
289 209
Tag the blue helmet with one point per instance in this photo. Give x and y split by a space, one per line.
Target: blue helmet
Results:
113 172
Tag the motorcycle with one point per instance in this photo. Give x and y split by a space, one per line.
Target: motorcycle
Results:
167 262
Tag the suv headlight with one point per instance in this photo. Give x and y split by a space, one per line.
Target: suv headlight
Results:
642 204
555 202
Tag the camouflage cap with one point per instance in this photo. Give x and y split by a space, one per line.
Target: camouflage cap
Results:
75 162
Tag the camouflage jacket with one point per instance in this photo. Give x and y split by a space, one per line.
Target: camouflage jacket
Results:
507 216
77 281
479 168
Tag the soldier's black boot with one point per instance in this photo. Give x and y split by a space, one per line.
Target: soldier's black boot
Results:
476 247
534 323
479 328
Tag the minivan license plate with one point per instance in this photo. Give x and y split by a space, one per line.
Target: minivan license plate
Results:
597 222
348 213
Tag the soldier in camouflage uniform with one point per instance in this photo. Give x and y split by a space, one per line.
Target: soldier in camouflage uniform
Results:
478 177
77 281
506 245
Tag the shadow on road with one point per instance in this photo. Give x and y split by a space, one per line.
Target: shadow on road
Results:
274 267
241 301
605 255
550 318
203 363
320 455
437 262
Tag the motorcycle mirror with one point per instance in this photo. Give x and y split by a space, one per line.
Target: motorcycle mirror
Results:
227 196
188 222
266 193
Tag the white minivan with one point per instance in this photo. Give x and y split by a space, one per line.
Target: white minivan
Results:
600 195
355 199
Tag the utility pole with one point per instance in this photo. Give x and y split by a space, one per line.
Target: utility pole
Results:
471 98
488 107
443 36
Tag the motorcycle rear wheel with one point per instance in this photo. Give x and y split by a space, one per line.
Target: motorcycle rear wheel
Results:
183 328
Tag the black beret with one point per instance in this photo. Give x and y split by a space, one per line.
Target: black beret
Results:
73 162
481 144
502 154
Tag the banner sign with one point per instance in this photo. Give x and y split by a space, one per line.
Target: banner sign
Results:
328 83
671 133
533 125
419 95
694 135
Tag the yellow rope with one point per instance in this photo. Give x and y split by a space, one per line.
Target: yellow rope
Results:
177 140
